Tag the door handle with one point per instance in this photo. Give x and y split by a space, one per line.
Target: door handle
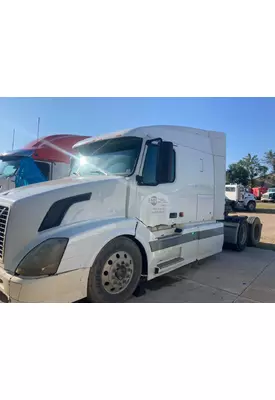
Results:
201 160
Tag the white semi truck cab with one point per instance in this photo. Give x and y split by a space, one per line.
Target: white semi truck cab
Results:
138 204
240 197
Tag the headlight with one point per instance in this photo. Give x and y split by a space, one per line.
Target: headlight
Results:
44 259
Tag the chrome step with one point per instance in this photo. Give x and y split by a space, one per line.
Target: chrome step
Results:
166 264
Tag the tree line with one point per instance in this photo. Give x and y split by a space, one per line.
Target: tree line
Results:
250 167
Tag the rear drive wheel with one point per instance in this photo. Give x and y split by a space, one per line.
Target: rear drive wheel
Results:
242 236
251 206
115 273
254 231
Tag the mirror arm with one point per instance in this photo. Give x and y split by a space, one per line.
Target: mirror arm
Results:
153 140
139 179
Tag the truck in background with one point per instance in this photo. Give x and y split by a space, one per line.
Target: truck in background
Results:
41 160
269 196
240 197
259 191
139 204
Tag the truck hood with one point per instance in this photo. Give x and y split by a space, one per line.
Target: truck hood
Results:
5 184
82 199
53 185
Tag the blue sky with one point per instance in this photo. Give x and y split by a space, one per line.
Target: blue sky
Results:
249 123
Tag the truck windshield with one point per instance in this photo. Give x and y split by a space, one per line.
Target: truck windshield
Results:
107 157
9 168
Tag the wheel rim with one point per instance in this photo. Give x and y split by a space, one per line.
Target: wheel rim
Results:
251 206
117 272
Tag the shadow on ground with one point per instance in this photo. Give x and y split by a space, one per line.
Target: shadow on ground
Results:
266 246
257 211
265 210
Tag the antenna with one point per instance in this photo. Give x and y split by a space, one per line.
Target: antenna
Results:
13 137
38 126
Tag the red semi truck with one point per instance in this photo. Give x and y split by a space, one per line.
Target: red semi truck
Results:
41 160
259 191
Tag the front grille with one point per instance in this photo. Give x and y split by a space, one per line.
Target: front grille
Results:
4 212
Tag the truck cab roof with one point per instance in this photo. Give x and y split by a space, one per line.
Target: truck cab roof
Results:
177 134
52 148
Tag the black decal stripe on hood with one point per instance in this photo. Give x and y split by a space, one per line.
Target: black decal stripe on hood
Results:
58 210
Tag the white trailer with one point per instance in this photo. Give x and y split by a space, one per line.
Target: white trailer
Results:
240 197
139 204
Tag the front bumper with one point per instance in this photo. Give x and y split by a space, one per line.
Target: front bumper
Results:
62 288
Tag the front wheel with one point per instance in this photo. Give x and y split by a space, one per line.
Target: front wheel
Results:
116 272
251 206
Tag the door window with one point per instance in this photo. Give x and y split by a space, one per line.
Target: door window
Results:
149 174
44 168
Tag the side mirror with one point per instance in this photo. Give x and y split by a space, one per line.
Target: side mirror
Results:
165 165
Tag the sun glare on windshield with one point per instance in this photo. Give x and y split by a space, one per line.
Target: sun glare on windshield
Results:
107 157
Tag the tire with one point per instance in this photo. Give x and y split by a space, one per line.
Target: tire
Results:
254 231
110 279
242 237
251 206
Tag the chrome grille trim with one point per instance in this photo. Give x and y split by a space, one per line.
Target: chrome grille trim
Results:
4 214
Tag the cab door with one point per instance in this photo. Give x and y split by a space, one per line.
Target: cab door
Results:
156 200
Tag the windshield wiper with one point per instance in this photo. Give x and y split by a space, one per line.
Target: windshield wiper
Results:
90 173
98 172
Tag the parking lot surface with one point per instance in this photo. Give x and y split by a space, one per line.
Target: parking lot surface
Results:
229 277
